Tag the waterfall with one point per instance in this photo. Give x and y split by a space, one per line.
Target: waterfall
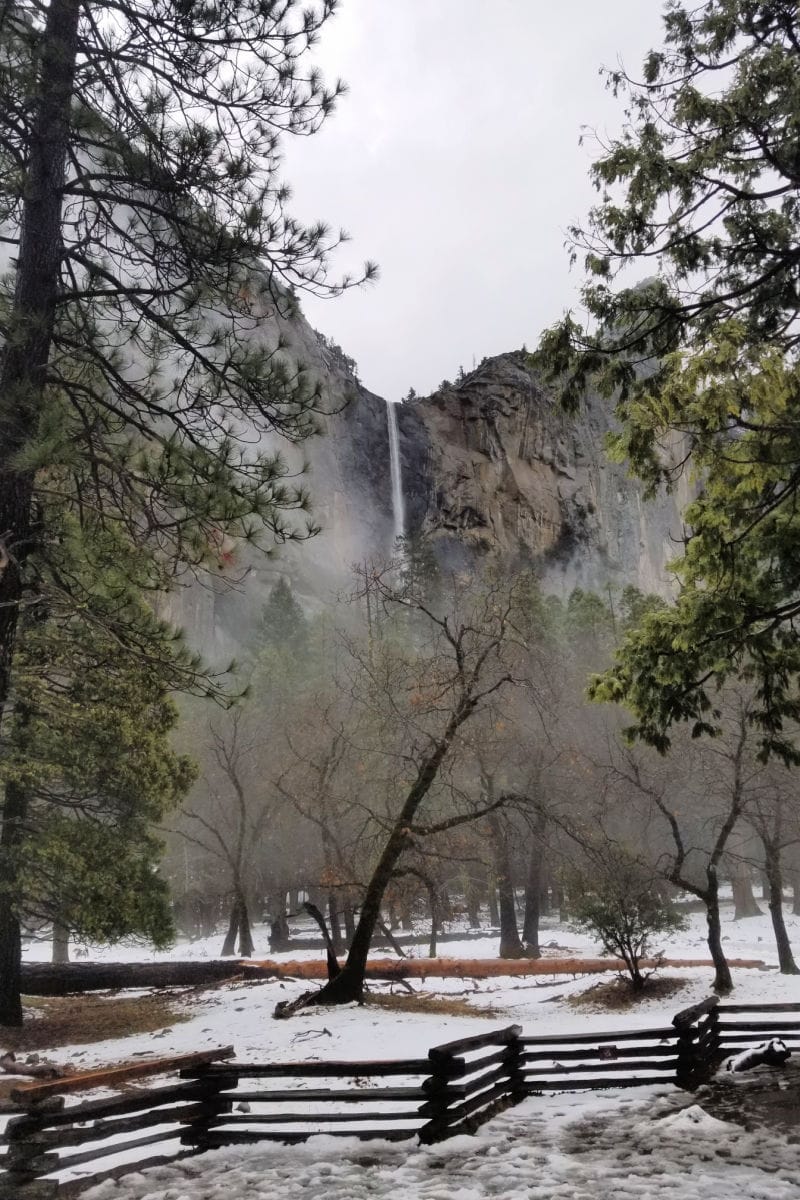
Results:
398 507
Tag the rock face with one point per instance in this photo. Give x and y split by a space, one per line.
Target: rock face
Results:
491 468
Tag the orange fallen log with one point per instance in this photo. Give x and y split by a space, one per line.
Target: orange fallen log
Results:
471 968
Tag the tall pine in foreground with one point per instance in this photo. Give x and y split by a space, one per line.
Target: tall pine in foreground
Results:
702 191
89 745
139 185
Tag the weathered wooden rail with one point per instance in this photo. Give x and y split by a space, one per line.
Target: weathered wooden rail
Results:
55 1149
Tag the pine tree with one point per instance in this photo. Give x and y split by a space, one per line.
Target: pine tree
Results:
140 198
283 623
703 191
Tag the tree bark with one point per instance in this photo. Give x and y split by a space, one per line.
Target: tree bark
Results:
229 945
743 898
238 928
14 811
246 946
795 877
23 370
491 899
723 983
60 943
349 984
774 879
533 889
510 943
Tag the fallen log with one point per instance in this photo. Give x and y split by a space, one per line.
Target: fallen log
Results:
46 979
59 979
478 968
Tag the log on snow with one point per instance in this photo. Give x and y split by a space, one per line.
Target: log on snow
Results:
46 979
59 979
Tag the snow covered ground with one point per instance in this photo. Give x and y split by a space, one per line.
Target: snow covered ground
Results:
650 1145
242 1013
638 1143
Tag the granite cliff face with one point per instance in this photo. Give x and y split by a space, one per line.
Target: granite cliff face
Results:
491 468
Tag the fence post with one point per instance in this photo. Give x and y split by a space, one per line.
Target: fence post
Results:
708 1044
445 1067
25 1161
516 1076
693 1060
212 1081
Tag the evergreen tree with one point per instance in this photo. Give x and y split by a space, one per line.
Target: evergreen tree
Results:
86 763
139 159
703 188
283 623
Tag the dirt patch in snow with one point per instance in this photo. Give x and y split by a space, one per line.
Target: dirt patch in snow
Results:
442 1006
52 1021
617 995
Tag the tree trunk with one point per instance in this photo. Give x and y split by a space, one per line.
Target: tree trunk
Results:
774 878
238 928
533 889
48 979
743 899
229 945
796 892
723 982
246 946
491 899
60 943
22 382
510 943
349 984
279 926
334 922
15 809
472 900
349 918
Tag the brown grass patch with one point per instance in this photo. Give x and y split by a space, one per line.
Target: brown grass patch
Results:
52 1021
617 995
440 1005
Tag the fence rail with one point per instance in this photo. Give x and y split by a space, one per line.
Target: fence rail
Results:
59 1149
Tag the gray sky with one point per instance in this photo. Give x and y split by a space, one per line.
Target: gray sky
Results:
454 162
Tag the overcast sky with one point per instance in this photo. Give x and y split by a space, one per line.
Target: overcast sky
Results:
455 163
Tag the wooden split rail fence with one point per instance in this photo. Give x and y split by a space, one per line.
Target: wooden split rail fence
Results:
57 1149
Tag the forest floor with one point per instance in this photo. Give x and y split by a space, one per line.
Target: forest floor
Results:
648 1143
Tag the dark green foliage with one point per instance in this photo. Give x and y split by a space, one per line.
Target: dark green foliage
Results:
619 900
145 385
703 188
703 184
419 569
283 625
89 747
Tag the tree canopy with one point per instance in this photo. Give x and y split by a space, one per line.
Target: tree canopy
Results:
142 404
702 190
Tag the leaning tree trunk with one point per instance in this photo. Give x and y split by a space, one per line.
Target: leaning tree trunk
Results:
23 372
774 878
229 945
349 983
